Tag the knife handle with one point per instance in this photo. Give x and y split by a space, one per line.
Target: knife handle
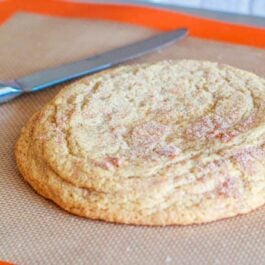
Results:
8 92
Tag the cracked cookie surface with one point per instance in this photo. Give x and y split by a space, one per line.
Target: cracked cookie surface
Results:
174 142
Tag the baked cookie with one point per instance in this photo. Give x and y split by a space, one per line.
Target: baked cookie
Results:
155 144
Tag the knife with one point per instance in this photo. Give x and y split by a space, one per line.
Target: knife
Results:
53 76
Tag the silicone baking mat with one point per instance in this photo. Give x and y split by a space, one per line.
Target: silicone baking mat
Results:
34 230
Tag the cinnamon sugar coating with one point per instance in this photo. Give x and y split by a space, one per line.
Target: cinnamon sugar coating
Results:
174 142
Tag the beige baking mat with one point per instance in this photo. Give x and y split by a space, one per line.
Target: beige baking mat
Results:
34 230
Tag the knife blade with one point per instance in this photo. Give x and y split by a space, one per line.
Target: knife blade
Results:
53 76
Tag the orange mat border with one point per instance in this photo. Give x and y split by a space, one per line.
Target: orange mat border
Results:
156 18
6 263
